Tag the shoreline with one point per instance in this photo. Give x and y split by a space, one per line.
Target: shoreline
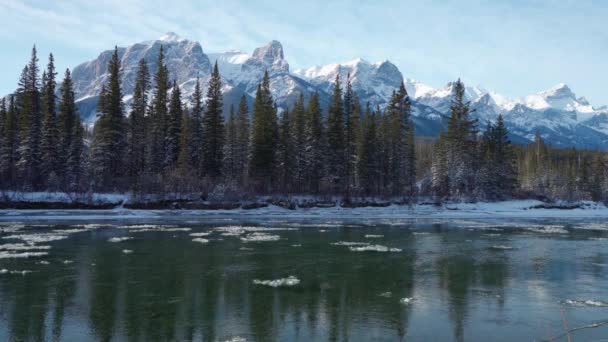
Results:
516 209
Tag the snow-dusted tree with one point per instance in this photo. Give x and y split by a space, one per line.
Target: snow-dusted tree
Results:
352 117
314 146
50 132
367 167
264 138
286 162
213 128
196 127
299 141
137 139
158 115
439 169
109 135
335 140
30 122
69 147
8 150
243 140
172 136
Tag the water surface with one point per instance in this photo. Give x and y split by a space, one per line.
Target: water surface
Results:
460 280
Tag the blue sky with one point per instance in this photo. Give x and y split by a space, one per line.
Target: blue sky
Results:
514 47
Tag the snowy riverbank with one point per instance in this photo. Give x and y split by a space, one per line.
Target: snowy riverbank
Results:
530 209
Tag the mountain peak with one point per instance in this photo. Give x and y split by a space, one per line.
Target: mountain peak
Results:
559 90
269 53
171 37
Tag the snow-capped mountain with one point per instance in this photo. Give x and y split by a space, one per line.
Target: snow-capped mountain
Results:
561 117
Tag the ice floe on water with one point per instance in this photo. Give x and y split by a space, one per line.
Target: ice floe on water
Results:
296 245
14 255
349 243
37 238
245 249
387 294
501 247
289 281
140 228
200 240
585 303
120 239
374 248
421 233
548 229
373 236
22 247
260 237
240 230
127 251
199 234
235 339
43 262
5 271
407 300
67 262
11 228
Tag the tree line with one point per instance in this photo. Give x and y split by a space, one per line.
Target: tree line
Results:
351 150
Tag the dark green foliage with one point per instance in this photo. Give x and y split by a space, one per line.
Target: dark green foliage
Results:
137 138
213 128
109 135
336 151
50 131
157 117
264 138
172 137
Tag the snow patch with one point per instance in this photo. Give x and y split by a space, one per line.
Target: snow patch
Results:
289 281
501 247
120 239
586 303
407 300
127 251
260 237
200 240
372 236
374 248
12 255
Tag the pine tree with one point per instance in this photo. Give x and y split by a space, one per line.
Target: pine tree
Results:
286 162
213 127
50 132
66 118
29 104
172 137
367 153
109 135
137 139
158 115
439 169
230 162
8 150
315 145
299 142
264 138
352 116
243 140
184 160
75 169
196 127
4 181
461 144
335 139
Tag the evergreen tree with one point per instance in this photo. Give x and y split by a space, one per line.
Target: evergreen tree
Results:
50 132
230 162
299 142
367 153
75 169
439 169
109 135
29 105
315 145
137 139
335 139
8 149
196 126
67 118
264 137
286 162
185 160
461 145
352 116
399 159
4 181
158 115
213 127
497 176
243 140
172 137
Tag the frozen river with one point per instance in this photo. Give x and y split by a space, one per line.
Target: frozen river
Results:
233 279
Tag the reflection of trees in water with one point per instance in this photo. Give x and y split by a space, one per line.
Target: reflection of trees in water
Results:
174 289
458 273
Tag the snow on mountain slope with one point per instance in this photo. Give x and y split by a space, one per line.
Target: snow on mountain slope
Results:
373 82
557 113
